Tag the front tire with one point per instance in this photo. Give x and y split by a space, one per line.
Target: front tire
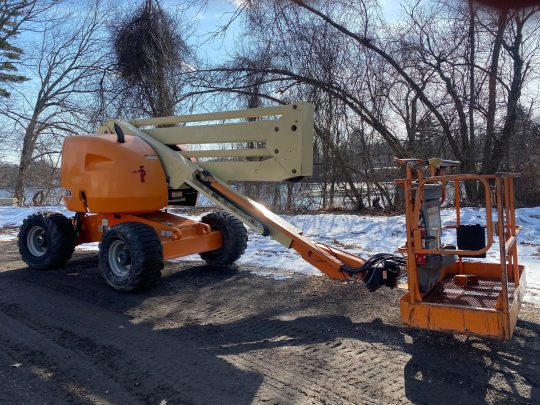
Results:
234 239
46 240
130 256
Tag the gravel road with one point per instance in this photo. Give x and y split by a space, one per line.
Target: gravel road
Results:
210 336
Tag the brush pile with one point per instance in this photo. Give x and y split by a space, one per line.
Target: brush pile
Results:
146 43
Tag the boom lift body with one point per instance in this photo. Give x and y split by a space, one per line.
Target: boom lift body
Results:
119 180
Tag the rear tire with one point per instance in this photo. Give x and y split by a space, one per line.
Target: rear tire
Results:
234 239
130 256
46 240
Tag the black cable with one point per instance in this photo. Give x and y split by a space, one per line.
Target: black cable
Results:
374 260
380 269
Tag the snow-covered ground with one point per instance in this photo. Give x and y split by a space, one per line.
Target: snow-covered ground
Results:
362 235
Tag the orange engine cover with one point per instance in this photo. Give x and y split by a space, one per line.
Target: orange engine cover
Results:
102 175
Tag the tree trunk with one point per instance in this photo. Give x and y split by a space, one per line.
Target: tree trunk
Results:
289 205
25 160
324 167
276 199
492 92
471 188
502 143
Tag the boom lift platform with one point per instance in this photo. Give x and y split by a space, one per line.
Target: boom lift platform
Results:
120 180
446 292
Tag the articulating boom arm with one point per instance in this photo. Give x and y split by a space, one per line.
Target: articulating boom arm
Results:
283 140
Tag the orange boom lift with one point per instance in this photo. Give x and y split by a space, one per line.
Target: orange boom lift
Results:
120 181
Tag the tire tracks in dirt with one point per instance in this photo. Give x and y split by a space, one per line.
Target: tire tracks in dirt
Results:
205 336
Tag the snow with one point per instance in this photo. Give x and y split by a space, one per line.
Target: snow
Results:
14 216
361 235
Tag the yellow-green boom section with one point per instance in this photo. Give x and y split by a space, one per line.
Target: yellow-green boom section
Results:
258 144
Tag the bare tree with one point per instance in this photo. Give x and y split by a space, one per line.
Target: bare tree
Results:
65 64
521 67
451 75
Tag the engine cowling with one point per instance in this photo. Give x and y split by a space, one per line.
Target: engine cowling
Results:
101 175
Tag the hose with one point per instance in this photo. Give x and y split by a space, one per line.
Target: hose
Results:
380 269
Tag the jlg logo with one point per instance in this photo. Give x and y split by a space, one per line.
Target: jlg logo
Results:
142 173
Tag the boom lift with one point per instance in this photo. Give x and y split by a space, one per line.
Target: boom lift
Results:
120 180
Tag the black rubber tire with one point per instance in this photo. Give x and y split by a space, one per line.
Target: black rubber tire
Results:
60 240
145 251
234 239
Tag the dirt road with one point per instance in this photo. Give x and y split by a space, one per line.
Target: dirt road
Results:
209 336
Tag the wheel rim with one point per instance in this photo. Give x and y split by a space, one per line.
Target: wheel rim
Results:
37 241
119 258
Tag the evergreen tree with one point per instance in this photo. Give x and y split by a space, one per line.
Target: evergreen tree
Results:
12 14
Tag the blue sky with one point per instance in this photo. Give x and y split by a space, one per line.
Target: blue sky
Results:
205 20
211 16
